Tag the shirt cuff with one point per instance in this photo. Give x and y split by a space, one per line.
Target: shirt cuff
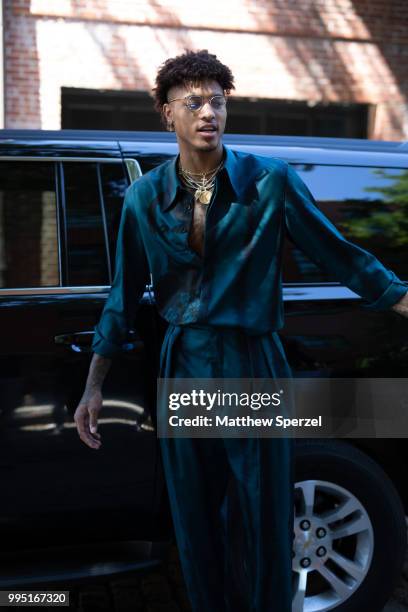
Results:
394 292
104 347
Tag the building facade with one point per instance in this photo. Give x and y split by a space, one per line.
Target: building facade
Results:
309 67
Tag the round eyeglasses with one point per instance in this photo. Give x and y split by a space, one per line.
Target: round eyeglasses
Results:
195 103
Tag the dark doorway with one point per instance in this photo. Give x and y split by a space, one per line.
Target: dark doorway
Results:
122 110
88 109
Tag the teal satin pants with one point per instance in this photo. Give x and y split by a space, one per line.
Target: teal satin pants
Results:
197 472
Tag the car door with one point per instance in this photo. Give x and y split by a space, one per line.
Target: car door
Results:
326 331
58 224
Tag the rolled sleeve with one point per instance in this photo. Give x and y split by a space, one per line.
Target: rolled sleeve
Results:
319 239
130 278
102 346
392 294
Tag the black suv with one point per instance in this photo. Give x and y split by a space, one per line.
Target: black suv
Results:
85 512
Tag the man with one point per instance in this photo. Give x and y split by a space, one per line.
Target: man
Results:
209 226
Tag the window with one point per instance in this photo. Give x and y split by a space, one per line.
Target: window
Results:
123 110
369 206
28 225
296 118
108 110
94 193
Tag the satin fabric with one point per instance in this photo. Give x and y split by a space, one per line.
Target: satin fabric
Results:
198 471
256 202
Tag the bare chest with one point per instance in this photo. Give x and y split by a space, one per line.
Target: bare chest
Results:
197 228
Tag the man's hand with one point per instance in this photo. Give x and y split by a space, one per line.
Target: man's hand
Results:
86 414
402 306
86 418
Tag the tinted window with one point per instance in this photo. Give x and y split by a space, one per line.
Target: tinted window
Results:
369 206
87 251
94 195
28 225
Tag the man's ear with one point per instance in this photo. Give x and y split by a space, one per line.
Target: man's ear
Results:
167 112
167 117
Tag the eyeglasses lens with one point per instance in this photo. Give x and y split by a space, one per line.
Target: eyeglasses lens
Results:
194 103
218 102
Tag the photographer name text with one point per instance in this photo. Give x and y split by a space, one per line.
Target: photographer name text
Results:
243 421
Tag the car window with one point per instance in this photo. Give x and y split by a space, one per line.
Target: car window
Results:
28 225
87 256
369 206
94 193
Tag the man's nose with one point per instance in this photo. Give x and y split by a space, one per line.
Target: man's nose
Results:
207 110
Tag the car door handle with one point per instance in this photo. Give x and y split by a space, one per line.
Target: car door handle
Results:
81 342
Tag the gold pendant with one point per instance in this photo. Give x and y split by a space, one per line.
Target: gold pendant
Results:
203 196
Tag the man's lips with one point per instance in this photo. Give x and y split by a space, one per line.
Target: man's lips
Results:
207 129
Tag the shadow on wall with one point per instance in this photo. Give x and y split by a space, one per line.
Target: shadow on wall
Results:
380 20
304 40
127 70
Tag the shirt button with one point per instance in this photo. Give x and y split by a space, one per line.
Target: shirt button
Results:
188 207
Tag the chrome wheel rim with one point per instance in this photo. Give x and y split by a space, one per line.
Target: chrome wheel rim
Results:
333 544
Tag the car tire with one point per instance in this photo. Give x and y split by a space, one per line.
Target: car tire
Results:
340 474
352 473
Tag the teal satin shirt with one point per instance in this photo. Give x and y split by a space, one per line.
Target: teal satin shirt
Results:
237 283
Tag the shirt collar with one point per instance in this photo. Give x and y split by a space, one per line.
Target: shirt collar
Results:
173 183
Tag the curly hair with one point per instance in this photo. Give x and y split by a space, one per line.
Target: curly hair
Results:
190 67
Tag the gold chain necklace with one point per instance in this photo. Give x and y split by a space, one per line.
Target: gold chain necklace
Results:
203 187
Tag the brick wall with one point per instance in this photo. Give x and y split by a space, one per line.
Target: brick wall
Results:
317 50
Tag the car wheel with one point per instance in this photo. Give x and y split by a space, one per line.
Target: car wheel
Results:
349 530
